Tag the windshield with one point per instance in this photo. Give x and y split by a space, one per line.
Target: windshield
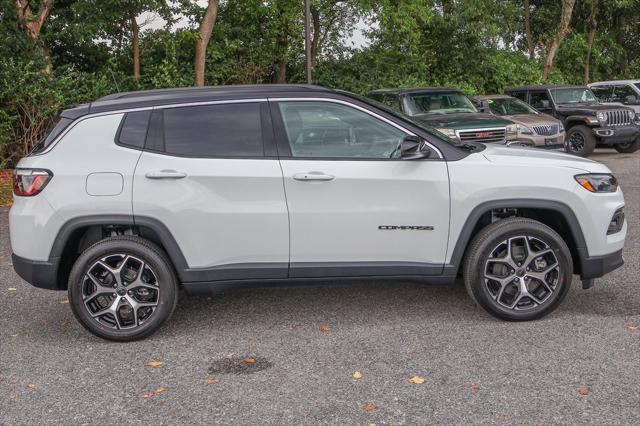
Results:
509 106
439 103
573 95
429 129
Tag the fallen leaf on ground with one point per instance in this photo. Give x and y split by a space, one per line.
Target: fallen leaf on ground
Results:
231 355
631 327
474 386
370 407
417 380
154 392
249 360
31 386
12 289
64 301
64 323
212 381
583 391
503 418
153 363
13 335
325 328
13 381
357 375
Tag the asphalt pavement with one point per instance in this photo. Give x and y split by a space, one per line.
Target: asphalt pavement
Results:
580 365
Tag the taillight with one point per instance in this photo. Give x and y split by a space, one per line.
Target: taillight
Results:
30 182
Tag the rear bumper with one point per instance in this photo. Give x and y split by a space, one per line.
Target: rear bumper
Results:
597 266
37 273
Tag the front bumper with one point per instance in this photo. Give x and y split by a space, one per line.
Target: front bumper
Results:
37 273
598 266
616 135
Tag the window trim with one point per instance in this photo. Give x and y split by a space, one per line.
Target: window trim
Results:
269 151
282 140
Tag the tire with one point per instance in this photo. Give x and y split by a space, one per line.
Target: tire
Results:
123 288
580 141
628 148
484 257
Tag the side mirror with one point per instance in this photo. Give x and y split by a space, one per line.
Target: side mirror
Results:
413 148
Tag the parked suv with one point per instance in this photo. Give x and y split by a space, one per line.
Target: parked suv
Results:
137 194
450 112
588 123
618 92
534 128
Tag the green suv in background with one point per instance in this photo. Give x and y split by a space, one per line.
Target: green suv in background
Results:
450 112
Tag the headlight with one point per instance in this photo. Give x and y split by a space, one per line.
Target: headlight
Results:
598 182
561 127
632 115
448 132
512 132
602 116
524 130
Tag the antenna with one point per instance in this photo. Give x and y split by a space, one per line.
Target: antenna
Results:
114 80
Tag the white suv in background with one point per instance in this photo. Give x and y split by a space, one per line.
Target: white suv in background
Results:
139 194
618 92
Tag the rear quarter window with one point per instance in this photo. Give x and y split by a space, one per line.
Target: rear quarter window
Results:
133 129
57 128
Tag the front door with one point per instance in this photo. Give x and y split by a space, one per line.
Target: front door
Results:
355 207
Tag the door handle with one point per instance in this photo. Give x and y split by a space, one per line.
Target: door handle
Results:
317 176
165 174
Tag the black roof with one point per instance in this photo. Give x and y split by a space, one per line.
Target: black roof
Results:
545 86
402 91
146 98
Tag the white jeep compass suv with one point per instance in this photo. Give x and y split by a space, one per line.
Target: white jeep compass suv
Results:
138 194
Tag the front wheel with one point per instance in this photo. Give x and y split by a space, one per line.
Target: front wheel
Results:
580 141
518 269
122 288
628 148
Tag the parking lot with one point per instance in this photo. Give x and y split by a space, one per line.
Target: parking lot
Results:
578 365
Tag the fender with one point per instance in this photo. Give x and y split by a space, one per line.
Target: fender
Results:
466 233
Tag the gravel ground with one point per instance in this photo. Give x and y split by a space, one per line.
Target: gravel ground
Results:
476 369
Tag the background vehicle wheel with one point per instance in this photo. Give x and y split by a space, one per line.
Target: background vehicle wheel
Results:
518 269
628 148
122 288
580 141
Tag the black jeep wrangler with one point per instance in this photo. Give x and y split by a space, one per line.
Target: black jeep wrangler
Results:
588 123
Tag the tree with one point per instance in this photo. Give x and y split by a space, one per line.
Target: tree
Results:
593 24
527 29
561 32
32 24
205 30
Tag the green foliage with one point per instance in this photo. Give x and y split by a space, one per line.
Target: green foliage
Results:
478 46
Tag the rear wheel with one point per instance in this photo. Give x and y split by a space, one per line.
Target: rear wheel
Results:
518 269
628 148
580 141
122 288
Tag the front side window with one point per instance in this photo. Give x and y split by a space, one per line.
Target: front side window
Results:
439 103
332 130
509 106
573 95
603 93
220 130
540 100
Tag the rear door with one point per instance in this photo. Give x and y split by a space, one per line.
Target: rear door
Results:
356 208
210 175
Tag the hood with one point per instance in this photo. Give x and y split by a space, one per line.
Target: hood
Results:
584 109
461 121
534 157
532 119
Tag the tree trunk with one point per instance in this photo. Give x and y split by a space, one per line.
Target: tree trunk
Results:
527 29
135 45
32 25
315 41
593 25
206 28
561 33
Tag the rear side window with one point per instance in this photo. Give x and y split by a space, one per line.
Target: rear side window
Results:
221 130
133 130
57 128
